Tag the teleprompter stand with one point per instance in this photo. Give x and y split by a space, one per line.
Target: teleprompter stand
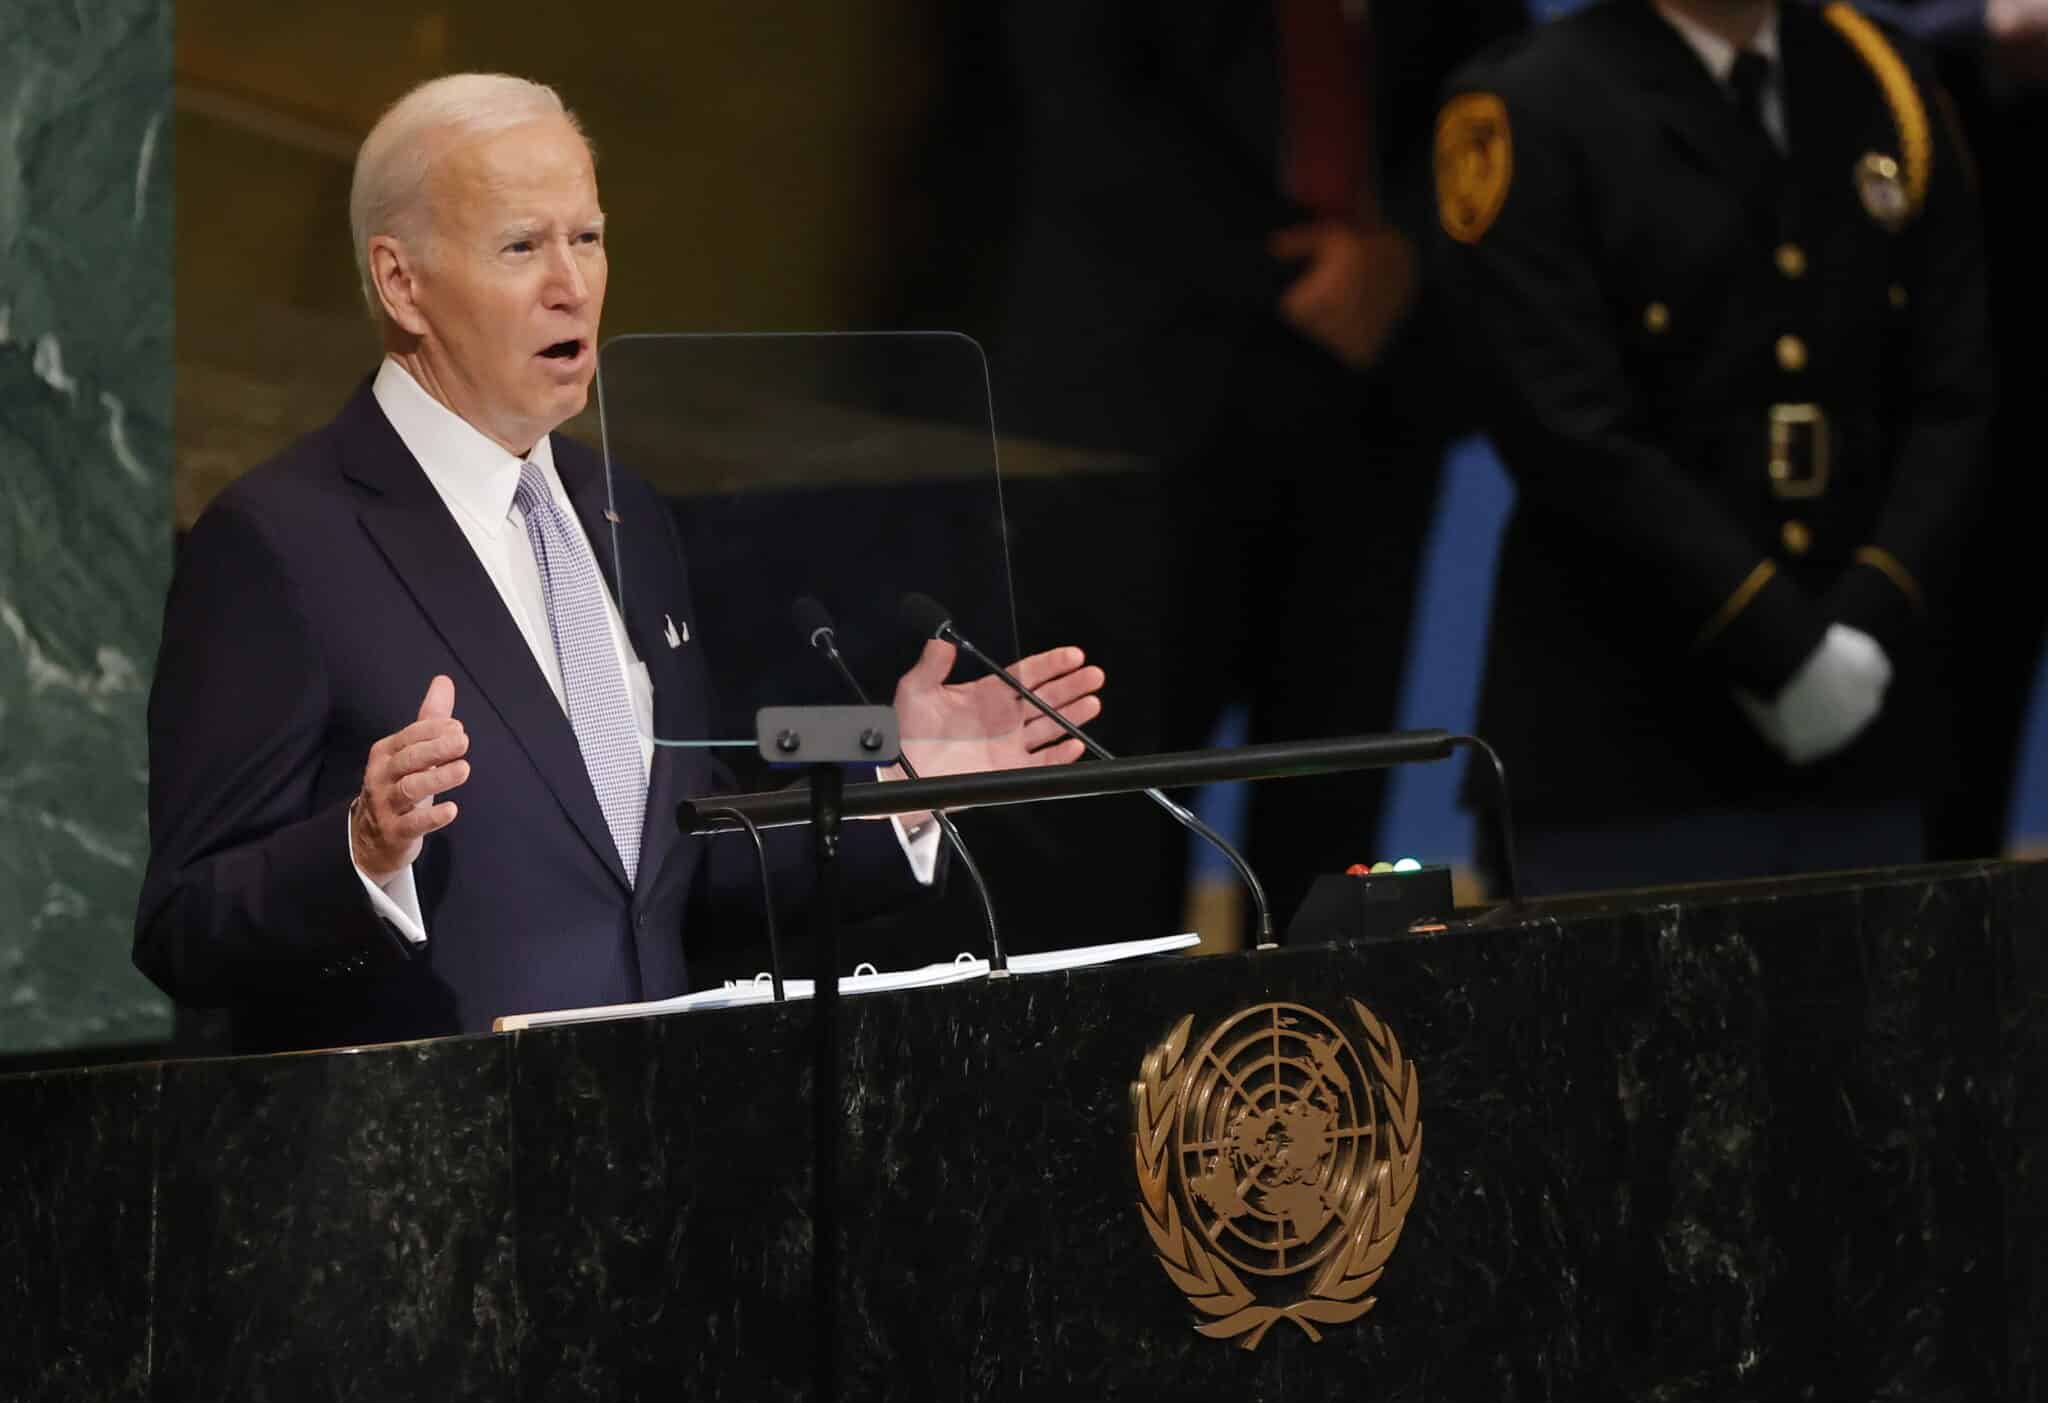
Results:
825 739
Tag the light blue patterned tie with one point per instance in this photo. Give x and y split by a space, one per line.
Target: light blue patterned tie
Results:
600 711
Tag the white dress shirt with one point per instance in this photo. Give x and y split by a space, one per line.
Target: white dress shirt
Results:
1719 56
477 480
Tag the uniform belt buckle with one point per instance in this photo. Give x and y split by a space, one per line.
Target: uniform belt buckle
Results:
1799 450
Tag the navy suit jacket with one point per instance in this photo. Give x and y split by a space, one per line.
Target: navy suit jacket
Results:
312 604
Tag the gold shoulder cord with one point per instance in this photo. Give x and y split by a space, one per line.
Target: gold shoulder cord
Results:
1889 565
1745 592
1901 95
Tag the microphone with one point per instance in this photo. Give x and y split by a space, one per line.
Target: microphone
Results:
815 624
928 618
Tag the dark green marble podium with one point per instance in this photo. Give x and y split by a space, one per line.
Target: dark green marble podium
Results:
1762 1141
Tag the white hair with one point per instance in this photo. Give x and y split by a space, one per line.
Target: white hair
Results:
388 194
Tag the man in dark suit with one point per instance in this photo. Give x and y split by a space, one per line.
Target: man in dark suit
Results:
1213 270
1719 268
414 602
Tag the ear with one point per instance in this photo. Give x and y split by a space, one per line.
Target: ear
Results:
394 273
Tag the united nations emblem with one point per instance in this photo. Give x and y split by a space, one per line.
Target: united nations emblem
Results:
1883 191
1274 1158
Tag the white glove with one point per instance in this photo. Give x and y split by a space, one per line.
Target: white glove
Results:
1835 694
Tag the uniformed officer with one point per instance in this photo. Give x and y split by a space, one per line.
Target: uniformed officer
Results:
1718 267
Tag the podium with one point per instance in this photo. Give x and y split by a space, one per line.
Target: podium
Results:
1712 1142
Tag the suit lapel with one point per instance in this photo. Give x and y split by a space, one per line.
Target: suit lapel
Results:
411 527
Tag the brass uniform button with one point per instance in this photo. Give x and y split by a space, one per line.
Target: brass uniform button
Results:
1898 298
1791 260
1791 353
1656 318
1797 537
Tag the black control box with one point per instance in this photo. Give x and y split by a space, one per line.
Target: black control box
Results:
1346 909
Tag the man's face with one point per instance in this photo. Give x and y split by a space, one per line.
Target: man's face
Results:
513 282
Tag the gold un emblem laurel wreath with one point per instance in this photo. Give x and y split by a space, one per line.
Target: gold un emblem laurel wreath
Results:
1271 1152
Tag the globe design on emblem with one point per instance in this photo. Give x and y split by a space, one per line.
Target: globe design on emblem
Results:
1274 1139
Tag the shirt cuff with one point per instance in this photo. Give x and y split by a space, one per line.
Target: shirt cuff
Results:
921 847
398 901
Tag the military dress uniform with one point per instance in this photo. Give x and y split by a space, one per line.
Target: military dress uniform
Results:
1742 391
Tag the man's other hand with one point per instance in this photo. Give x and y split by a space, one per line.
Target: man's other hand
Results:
1831 699
391 818
1355 288
967 727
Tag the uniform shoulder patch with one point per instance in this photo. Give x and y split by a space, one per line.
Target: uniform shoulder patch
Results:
1475 160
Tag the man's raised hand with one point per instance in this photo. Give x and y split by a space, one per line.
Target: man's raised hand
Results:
397 808
966 727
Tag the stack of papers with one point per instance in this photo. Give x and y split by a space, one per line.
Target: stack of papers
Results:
865 979
726 997
1081 956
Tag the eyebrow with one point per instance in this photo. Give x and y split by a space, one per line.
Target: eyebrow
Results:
534 228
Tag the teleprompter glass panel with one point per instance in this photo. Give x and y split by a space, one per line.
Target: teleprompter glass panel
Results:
845 469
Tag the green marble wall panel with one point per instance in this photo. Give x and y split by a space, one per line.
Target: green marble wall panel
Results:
85 404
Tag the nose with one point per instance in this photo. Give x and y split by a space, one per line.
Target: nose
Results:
566 287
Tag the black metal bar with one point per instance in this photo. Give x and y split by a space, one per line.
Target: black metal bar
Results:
1278 760
1503 817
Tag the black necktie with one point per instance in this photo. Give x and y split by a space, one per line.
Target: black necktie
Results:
1749 80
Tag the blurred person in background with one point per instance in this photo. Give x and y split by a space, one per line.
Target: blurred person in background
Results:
1213 269
1719 268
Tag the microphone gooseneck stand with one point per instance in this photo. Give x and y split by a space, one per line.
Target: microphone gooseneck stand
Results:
928 618
816 626
767 895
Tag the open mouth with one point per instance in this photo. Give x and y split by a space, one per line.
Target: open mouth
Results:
563 350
